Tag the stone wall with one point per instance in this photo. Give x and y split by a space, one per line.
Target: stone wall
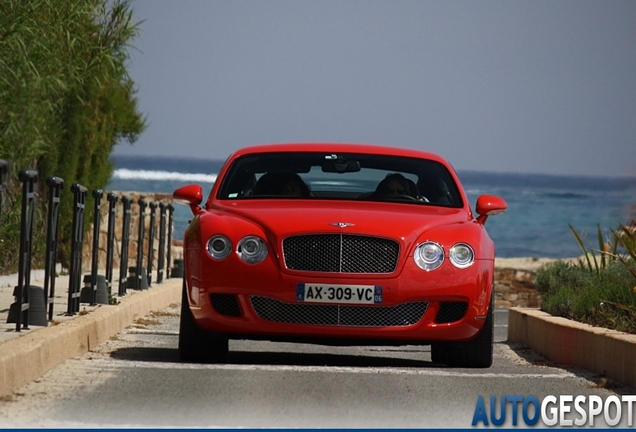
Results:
516 288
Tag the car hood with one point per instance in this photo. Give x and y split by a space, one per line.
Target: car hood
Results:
282 218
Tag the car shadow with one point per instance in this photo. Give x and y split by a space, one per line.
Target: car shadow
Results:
272 358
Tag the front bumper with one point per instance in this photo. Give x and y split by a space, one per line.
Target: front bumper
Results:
418 307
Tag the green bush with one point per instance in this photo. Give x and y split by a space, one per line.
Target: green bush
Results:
559 275
598 292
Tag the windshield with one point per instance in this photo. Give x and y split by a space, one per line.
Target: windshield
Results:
347 176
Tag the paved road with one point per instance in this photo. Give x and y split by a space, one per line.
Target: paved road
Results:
136 380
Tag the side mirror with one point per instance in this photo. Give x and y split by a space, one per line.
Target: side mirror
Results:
191 195
489 205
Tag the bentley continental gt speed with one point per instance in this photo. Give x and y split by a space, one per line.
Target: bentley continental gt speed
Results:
338 244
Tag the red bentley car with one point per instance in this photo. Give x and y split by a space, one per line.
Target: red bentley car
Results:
338 244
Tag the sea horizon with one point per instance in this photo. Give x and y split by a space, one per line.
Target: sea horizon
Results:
126 161
540 206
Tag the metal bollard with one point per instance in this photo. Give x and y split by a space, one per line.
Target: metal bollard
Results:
97 196
55 185
162 241
110 239
75 277
3 171
28 178
169 239
151 239
140 242
125 234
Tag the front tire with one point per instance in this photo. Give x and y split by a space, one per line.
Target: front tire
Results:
438 353
195 345
475 353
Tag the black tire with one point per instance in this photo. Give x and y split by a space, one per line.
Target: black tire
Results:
438 353
196 346
475 353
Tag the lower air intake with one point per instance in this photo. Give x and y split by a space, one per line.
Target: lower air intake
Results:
451 311
226 304
338 315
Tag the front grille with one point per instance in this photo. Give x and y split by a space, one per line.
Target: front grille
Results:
451 312
226 304
338 315
341 253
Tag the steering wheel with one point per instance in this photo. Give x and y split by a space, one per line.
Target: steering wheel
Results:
404 197
401 198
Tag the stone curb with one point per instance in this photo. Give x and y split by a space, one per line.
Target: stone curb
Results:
28 357
607 352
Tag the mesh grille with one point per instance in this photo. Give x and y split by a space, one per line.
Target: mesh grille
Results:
226 304
340 253
338 315
451 312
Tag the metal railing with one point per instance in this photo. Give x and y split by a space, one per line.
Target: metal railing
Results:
97 288
28 179
55 185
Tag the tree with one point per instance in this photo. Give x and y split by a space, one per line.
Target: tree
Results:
66 100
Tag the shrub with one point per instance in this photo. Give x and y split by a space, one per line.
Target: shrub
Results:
599 289
561 275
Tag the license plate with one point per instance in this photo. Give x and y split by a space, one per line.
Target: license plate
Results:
344 294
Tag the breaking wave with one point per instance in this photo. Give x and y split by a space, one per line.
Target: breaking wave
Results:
127 174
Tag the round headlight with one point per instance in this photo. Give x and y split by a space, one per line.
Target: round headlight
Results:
252 249
461 255
219 247
429 256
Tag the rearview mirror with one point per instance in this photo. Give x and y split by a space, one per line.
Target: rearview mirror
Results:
340 166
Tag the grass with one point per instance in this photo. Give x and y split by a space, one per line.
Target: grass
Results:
600 289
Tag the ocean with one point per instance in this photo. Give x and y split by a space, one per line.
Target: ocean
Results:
540 207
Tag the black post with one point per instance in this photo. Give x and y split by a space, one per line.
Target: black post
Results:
97 196
28 178
55 185
125 233
75 277
140 242
169 239
151 239
3 170
110 239
162 241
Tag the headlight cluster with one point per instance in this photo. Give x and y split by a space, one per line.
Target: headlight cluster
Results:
250 249
430 255
219 247
461 255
